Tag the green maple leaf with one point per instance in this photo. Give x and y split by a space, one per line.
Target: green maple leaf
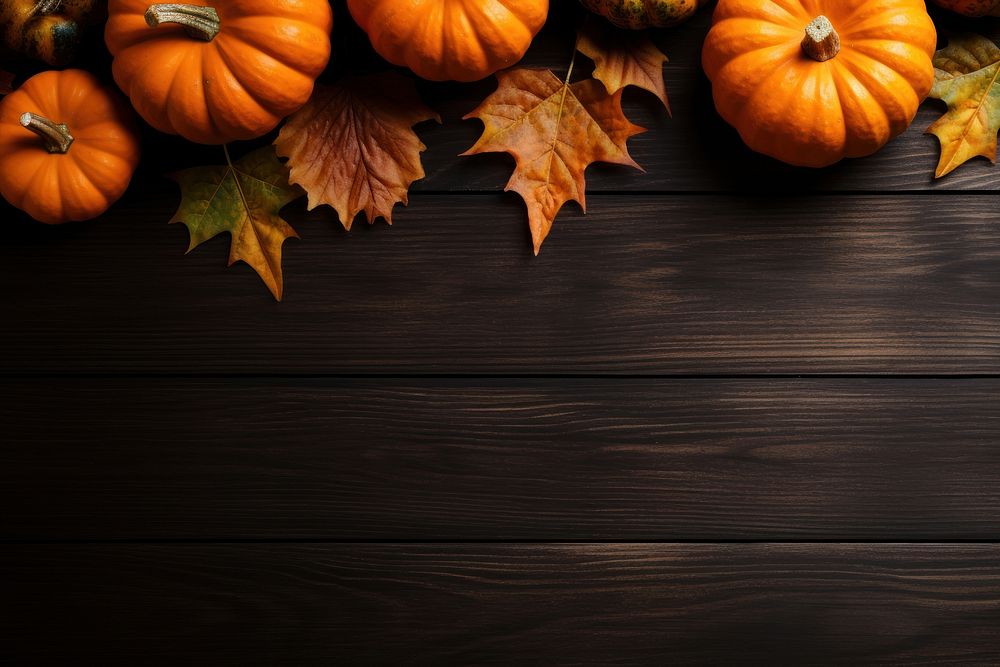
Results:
966 74
244 199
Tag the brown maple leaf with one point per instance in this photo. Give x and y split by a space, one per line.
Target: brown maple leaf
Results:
6 82
352 145
623 58
554 130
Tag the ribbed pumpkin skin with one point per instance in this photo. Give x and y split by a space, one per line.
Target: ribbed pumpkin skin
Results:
639 14
451 40
94 173
258 69
807 113
972 7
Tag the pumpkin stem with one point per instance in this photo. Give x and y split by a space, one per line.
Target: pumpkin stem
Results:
56 135
46 7
199 22
821 41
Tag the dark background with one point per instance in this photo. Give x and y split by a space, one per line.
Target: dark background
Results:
738 412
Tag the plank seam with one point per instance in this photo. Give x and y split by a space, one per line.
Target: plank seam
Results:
461 542
755 194
497 376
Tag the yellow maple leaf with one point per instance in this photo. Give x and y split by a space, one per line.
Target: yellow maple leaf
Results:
554 130
966 74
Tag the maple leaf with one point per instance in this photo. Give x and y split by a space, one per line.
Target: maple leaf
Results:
966 74
352 145
243 199
554 130
623 58
6 82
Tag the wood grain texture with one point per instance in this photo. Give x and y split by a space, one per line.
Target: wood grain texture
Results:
502 604
694 150
600 459
154 514
643 284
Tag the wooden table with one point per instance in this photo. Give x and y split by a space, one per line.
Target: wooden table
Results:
736 413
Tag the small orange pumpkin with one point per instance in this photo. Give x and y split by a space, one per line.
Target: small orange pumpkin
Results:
972 7
459 40
218 73
815 81
68 147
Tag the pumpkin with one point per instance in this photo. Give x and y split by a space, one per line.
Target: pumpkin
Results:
68 146
219 73
639 14
972 7
47 30
460 40
812 81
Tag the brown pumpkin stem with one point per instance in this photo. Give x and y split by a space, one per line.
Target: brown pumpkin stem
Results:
56 135
821 41
199 22
46 7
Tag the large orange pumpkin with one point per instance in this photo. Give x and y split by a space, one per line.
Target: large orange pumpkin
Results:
812 81
68 146
218 73
460 40
972 7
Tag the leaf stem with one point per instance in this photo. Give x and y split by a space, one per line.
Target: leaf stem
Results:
572 61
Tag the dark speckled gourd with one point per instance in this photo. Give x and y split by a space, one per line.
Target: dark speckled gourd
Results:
47 30
972 7
639 14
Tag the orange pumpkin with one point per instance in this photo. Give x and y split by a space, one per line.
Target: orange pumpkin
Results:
218 73
812 81
460 40
68 147
972 7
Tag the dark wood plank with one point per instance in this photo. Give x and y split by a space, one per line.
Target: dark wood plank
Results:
503 459
695 150
502 604
643 284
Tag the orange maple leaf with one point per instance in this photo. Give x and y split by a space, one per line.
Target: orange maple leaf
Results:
623 58
554 130
352 145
